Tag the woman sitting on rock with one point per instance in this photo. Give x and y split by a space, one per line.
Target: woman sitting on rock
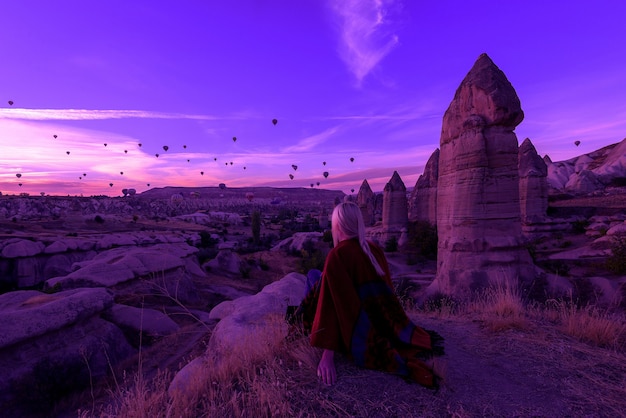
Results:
351 308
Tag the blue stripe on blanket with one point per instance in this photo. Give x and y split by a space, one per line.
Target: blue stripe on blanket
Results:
359 339
374 289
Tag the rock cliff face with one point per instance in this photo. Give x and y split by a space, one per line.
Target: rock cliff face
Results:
366 200
395 205
533 186
423 201
478 206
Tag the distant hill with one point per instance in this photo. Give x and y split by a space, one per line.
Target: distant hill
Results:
282 194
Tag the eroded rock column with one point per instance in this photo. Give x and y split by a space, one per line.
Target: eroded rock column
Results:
478 206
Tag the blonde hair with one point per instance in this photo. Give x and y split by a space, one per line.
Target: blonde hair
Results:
347 220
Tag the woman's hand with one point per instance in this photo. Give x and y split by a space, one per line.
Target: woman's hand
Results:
326 368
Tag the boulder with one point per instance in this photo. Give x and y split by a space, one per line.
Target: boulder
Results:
247 325
18 247
226 262
252 316
478 204
298 241
149 322
52 344
27 314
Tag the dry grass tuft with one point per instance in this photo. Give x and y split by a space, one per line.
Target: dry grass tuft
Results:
592 325
501 308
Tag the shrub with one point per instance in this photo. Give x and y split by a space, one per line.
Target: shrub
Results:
423 239
391 245
580 226
98 219
616 262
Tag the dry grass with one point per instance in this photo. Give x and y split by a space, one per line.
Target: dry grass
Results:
577 354
592 325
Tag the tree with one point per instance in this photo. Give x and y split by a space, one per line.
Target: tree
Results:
256 226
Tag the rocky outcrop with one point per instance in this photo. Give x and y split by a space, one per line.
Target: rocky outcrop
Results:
478 206
227 262
423 200
533 187
366 200
298 242
395 206
597 172
50 342
28 262
247 324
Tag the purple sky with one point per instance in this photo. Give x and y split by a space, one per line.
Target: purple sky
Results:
367 79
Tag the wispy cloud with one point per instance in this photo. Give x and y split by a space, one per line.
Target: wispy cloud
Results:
366 35
311 142
87 114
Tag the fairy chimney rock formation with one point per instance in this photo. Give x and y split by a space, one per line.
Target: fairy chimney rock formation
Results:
478 204
533 186
395 205
423 201
366 200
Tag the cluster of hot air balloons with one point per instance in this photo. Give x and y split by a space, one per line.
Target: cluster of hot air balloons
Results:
184 146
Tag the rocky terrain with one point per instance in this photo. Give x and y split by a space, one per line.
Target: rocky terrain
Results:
89 285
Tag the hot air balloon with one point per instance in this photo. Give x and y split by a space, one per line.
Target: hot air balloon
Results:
122 173
325 174
84 174
157 155
274 121
222 186
19 184
18 175
165 147
67 152
185 146
148 184
324 162
202 173
351 159
110 184
291 176
312 184
55 137
295 167
249 196
139 145
105 144
231 163
318 183
10 102
225 163
125 151
244 167
577 143
188 160
42 193
80 177
176 198
352 190
234 139
215 159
